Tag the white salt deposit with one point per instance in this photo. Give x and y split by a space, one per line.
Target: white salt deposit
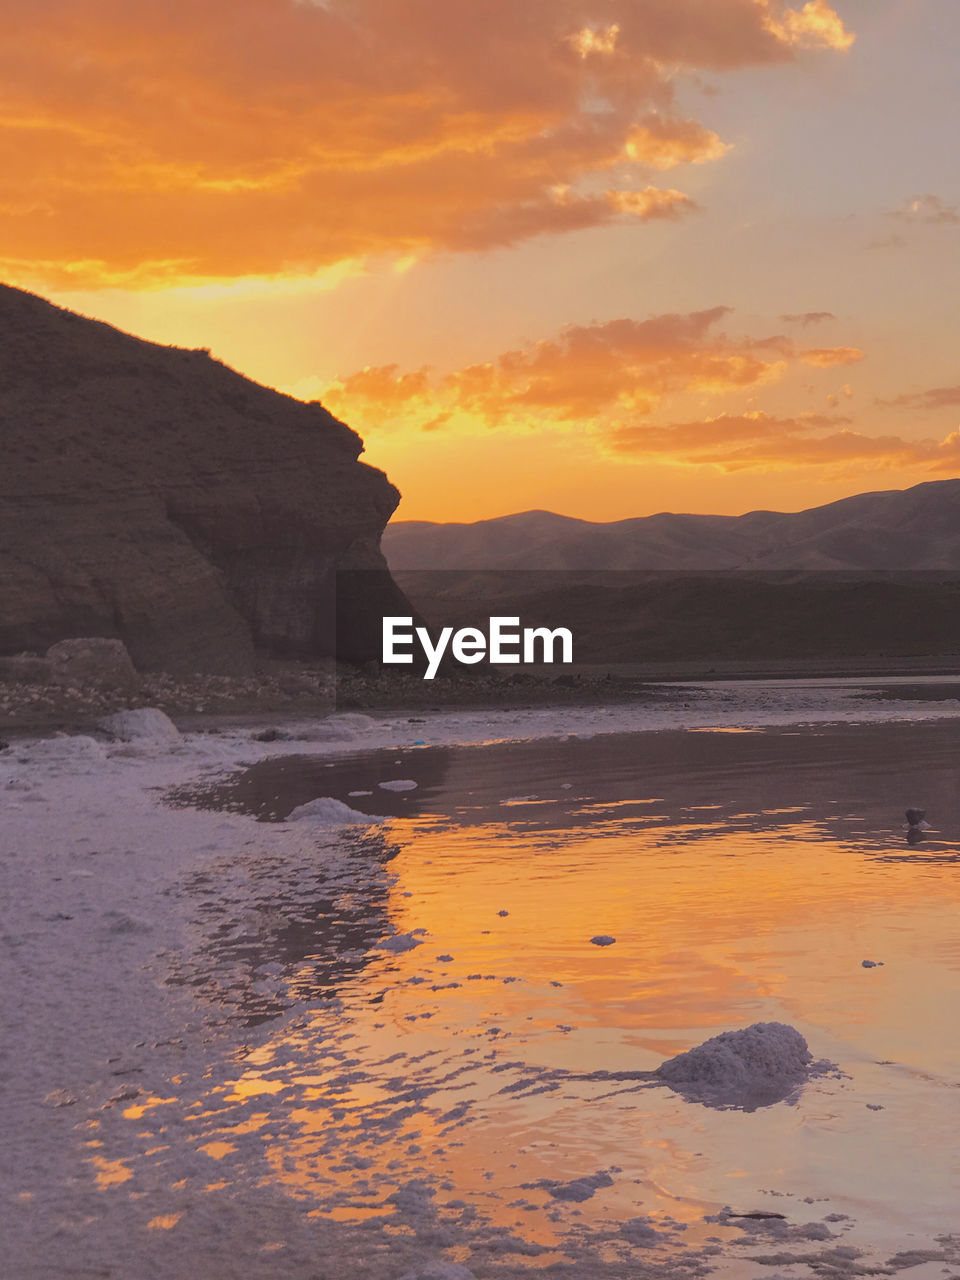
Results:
76 750
398 784
325 811
746 1069
140 724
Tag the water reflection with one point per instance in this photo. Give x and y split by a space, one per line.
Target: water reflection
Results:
271 789
274 932
680 783
451 1089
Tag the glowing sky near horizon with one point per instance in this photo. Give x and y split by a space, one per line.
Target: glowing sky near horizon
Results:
605 258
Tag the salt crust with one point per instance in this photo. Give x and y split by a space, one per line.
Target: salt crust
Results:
750 1068
325 811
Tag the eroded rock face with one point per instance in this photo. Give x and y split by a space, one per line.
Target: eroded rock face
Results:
92 660
151 494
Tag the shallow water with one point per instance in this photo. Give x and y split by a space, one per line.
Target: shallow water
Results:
744 876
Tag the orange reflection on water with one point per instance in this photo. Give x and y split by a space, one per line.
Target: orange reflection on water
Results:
109 1173
164 1222
744 892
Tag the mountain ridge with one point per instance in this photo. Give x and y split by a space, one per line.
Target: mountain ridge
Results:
875 531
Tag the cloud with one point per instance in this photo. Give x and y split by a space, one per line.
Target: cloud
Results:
610 381
584 373
845 451
928 209
814 26
605 375
831 357
383 384
665 143
144 143
935 398
651 202
691 440
758 442
808 317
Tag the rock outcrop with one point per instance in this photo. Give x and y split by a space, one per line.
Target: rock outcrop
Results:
152 495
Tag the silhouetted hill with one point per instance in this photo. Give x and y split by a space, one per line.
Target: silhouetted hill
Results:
899 529
876 576
152 494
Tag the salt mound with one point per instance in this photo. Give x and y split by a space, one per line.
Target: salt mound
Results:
755 1067
325 811
140 724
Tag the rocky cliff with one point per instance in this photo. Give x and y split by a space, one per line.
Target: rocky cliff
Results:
150 493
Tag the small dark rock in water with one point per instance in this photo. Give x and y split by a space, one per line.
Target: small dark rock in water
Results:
603 940
872 964
269 735
916 824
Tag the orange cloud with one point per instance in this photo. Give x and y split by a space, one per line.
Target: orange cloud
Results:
805 318
692 440
383 384
651 202
756 442
608 379
583 374
814 26
934 398
831 357
844 451
144 143
665 143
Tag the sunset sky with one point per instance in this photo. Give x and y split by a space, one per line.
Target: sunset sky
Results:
603 257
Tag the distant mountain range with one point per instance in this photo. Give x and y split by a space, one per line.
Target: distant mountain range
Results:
894 530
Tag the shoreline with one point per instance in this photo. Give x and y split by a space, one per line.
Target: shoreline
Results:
295 689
